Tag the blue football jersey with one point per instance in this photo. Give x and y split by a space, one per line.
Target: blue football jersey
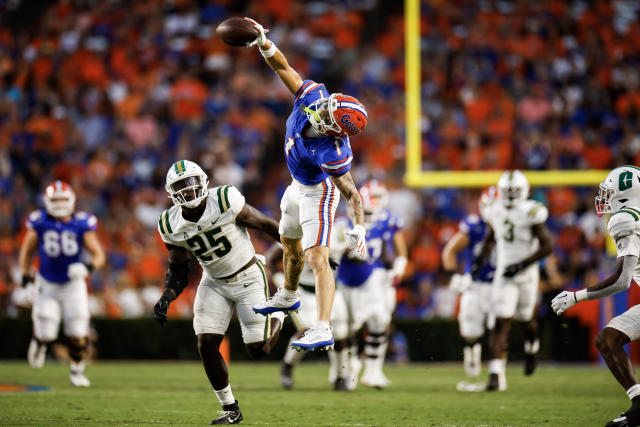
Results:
476 229
353 272
311 160
60 243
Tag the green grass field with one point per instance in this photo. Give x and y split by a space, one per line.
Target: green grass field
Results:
177 393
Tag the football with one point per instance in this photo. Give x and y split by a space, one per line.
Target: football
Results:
236 31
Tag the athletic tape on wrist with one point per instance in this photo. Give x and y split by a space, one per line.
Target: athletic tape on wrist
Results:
269 52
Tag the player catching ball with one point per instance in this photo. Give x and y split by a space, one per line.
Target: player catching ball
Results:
318 155
619 196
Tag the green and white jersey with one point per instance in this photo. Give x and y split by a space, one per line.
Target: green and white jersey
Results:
221 246
513 229
623 227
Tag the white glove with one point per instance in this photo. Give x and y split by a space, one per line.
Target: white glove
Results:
563 302
357 241
460 282
262 38
399 265
25 296
77 271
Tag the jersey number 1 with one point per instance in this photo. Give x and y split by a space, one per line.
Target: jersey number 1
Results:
199 247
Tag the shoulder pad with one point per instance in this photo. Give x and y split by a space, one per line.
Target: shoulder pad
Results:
222 194
537 213
164 225
623 223
35 216
472 219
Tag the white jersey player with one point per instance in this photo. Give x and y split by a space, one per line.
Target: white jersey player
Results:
516 225
212 225
60 236
619 196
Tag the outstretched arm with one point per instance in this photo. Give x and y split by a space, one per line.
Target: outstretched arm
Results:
276 60
617 282
253 218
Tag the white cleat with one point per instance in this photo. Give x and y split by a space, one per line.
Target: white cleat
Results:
314 339
79 379
375 380
469 387
77 376
37 354
280 301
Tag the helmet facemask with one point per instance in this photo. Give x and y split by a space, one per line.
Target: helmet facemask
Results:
189 191
320 115
59 200
60 206
603 200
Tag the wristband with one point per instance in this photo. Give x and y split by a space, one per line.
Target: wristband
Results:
269 52
581 295
26 279
89 266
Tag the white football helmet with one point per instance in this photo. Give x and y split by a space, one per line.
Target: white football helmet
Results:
59 199
513 188
187 184
621 188
375 197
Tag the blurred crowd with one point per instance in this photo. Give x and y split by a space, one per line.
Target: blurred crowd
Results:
107 95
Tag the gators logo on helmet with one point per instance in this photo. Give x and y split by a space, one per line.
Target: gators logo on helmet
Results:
339 115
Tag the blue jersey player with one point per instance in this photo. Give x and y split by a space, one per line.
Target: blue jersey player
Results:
476 293
59 236
367 285
318 155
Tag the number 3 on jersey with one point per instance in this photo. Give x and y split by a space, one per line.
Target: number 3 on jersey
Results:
199 247
508 235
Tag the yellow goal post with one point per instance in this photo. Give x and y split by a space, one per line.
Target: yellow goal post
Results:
415 176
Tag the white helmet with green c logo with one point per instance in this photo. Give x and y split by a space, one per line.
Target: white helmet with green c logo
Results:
621 188
187 184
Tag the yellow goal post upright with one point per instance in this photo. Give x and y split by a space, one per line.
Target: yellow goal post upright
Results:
415 176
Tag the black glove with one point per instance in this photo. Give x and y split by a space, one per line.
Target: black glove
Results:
476 265
514 269
333 263
26 280
160 310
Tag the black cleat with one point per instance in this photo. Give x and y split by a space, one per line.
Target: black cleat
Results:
620 421
340 385
530 363
286 376
493 383
631 418
230 414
